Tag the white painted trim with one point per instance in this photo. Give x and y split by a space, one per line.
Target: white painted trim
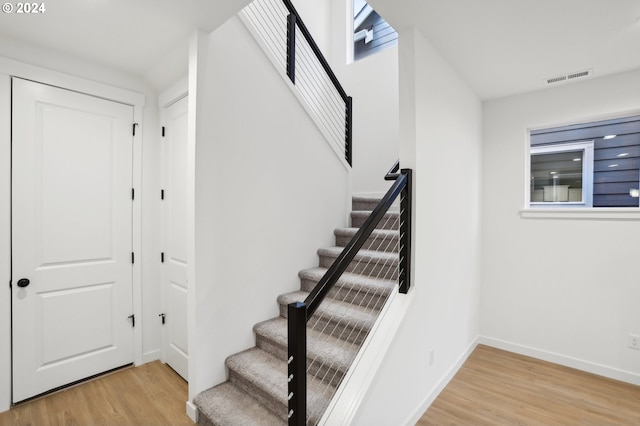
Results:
276 65
137 234
192 412
151 356
173 94
442 383
198 59
567 361
586 148
585 213
65 81
5 244
357 381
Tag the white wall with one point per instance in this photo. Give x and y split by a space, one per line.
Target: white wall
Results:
150 186
269 191
565 290
442 321
373 84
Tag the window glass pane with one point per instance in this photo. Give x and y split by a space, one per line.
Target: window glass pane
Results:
371 33
556 177
610 167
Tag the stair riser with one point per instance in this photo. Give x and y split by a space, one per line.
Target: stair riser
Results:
278 407
326 373
388 271
203 420
345 294
334 328
364 205
388 245
389 221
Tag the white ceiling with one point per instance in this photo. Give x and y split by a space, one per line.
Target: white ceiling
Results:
129 35
500 47
503 47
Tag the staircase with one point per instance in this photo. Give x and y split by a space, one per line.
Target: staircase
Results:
256 391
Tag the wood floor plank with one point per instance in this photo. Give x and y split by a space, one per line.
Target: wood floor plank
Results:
496 387
151 394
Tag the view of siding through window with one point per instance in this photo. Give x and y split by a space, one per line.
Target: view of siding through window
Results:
557 174
371 33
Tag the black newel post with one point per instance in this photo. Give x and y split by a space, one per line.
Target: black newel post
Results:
297 359
405 232
348 131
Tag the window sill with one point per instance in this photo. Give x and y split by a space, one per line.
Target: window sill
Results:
623 213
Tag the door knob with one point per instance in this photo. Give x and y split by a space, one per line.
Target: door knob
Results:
23 282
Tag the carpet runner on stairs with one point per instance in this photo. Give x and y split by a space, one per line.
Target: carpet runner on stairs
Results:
256 391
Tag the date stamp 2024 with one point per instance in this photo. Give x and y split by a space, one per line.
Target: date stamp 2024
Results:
23 8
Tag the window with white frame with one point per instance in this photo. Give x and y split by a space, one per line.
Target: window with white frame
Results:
371 33
562 174
594 164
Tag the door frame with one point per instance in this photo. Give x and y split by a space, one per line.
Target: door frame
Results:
9 68
170 96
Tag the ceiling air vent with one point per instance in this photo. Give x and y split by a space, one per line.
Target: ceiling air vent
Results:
569 77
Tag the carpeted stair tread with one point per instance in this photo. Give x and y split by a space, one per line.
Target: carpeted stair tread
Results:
379 233
231 406
364 203
379 240
366 262
390 220
321 348
356 283
368 203
264 377
382 256
256 390
348 313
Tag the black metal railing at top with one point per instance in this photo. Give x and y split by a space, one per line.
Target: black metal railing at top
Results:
299 313
294 21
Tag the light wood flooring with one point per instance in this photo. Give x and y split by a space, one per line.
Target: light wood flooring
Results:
152 394
495 387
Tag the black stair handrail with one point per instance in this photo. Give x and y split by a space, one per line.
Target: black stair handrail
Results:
316 50
393 174
294 20
341 264
299 313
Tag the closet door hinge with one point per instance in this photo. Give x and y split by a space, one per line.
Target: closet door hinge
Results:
162 316
162 194
133 258
133 194
132 317
163 131
162 257
134 128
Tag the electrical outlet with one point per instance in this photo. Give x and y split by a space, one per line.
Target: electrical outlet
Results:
634 341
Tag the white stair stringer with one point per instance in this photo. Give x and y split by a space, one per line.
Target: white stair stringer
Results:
356 383
276 53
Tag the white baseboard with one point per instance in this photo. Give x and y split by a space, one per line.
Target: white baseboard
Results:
192 412
567 361
442 383
151 356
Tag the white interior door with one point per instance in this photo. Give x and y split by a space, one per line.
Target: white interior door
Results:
176 349
71 236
